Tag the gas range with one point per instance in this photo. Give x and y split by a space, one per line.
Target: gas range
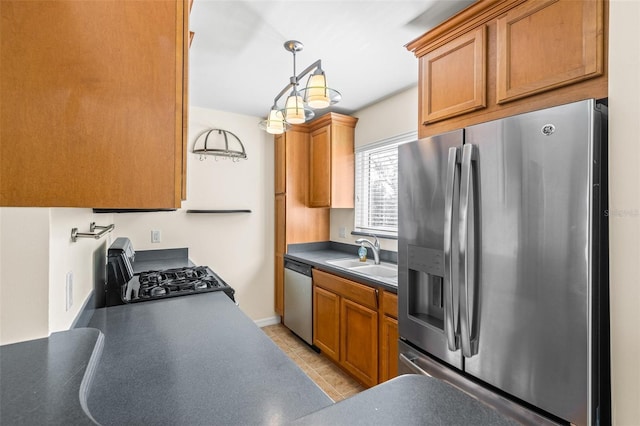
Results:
125 286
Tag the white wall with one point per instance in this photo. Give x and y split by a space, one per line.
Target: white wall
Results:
36 253
393 116
240 246
624 206
24 280
77 258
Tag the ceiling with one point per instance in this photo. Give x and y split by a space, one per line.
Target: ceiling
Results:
238 63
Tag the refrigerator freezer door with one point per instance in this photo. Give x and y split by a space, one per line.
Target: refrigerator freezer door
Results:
534 256
426 310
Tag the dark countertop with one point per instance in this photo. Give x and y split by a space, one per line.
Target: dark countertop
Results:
194 360
317 254
199 360
46 381
408 400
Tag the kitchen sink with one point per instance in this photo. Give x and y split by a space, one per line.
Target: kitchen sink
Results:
377 270
387 272
349 263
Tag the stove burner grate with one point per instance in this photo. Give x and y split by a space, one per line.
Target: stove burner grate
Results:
177 281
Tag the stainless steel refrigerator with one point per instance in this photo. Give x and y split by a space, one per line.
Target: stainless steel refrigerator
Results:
502 259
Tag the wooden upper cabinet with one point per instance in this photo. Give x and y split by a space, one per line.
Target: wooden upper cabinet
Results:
499 58
320 167
546 44
94 103
331 161
453 77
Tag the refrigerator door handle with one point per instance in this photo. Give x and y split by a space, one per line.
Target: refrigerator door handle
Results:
467 262
450 317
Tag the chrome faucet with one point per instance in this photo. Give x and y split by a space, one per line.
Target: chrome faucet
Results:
375 247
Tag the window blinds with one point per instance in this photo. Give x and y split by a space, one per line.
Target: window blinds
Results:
377 189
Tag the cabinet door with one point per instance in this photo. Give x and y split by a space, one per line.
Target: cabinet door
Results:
279 285
359 341
388 348
280 248
280 164
543 45
326 322
281 220
96 103
453 78
320 168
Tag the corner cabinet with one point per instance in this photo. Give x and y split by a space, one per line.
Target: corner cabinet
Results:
331 161
314 170
98 113
498 58
295 222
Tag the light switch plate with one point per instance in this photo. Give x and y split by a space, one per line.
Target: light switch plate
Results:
156 235
342 232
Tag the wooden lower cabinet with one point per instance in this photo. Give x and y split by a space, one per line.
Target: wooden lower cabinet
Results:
388 336
388 348
326 325
359 341
354 327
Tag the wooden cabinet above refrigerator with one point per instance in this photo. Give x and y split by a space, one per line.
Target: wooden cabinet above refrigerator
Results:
499 58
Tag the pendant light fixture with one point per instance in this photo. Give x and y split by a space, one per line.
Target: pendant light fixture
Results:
299 105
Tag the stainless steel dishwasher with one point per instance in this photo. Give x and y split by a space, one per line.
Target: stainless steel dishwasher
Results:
298 299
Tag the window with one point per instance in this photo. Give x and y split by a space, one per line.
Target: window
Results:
377 186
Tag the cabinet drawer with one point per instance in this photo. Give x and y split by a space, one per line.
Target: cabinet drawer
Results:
348 289
390 304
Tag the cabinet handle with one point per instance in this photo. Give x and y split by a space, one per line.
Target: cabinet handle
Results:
377 299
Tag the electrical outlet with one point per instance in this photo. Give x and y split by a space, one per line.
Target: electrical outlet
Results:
69 291
342 232
156 235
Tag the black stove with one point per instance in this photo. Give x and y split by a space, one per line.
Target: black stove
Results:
125 286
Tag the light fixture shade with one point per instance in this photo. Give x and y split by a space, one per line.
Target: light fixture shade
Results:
274 123
294 110
317 95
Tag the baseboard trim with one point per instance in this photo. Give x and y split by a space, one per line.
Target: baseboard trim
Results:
268 321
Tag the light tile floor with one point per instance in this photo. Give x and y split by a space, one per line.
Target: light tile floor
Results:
330 378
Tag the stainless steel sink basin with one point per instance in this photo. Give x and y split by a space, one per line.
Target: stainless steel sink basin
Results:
377 270
387 272
349 263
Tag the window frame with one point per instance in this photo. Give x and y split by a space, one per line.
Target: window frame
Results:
361 228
